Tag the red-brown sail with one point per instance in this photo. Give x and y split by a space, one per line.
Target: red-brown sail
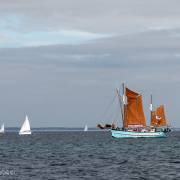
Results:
133 110
153 118
158 117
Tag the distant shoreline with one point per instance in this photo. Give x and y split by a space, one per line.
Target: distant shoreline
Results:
51 129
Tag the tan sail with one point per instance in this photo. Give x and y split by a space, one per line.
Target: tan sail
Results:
133 110
158 117
153 118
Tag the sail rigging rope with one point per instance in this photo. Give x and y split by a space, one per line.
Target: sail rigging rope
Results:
108 107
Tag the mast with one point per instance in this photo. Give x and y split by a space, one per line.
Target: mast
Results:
124 103
151 107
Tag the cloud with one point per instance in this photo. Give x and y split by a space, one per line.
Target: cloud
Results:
32 23
139 50
72 54
47 38
92 16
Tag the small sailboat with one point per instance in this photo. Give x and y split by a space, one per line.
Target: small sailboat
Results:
133 117
2 129
25 128
86 128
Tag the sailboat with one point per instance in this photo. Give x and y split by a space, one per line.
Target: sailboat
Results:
25 128
133 118
2 129
86 128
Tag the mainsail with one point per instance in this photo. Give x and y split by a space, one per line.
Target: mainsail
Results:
133 110
2 129
86 128
158 117
25 129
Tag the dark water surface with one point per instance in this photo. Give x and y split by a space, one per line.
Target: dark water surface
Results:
88 155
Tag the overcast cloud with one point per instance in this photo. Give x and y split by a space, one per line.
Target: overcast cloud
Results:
60 60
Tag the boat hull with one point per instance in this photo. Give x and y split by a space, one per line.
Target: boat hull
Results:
127 134
25 133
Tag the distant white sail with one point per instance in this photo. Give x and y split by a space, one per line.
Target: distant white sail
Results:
25 128
86 128
2 129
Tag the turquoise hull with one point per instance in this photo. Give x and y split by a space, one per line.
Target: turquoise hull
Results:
128 134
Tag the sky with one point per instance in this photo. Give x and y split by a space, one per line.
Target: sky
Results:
61 60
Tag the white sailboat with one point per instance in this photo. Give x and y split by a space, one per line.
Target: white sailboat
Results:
2 129
86 128
25 128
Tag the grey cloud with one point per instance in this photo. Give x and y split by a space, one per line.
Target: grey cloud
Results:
95 16
70 85
150 48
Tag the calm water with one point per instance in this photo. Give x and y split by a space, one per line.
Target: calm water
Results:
88 155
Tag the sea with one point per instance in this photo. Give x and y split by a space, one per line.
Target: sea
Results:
53 153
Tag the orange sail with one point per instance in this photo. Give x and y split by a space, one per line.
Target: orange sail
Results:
153 118
158 117
133 110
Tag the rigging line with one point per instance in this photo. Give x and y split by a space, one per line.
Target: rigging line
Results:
120 104
108 107
115 118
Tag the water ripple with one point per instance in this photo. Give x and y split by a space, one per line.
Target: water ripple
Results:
89 155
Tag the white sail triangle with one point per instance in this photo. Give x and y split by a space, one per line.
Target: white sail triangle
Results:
25 128
86 128
2 129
